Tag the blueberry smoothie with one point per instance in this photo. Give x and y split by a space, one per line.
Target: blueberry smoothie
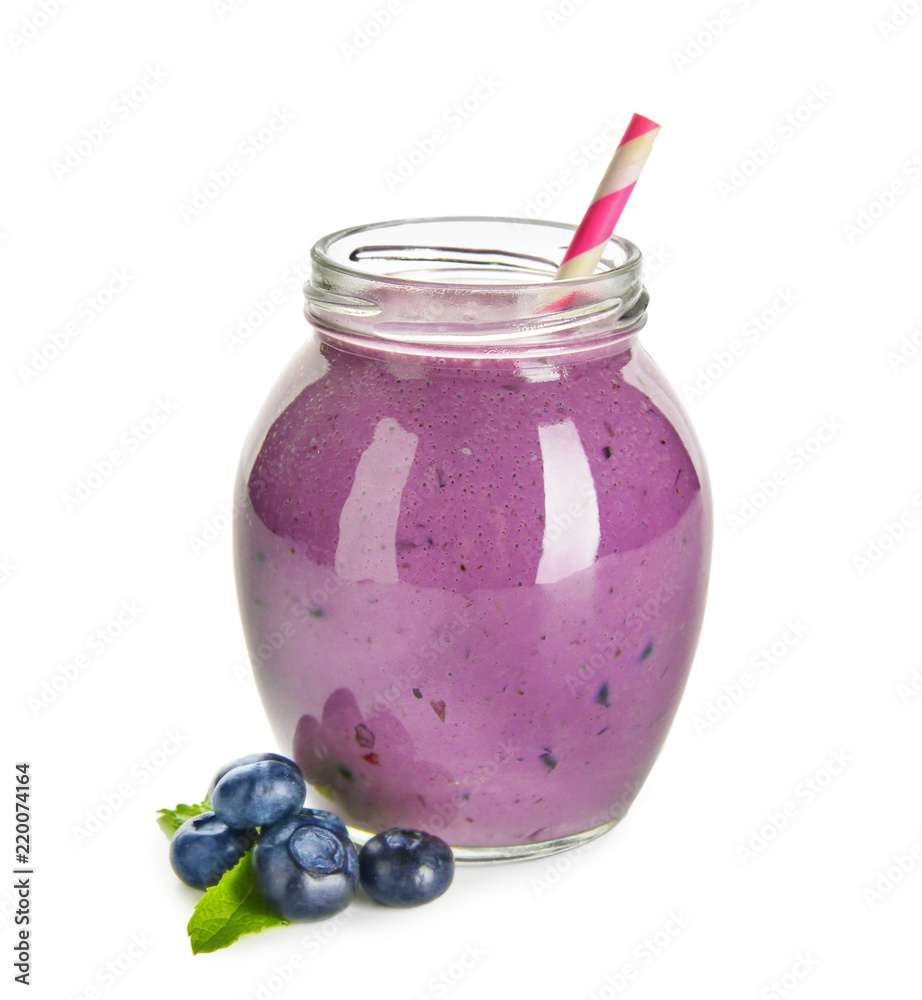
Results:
472 537
471 595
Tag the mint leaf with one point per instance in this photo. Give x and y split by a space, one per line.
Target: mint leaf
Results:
229 909
170 820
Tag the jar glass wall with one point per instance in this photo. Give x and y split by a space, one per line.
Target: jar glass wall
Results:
472 537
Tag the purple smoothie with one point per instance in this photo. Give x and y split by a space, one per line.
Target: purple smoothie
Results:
472 590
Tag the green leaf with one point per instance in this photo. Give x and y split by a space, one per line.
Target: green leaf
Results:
170 820
230 909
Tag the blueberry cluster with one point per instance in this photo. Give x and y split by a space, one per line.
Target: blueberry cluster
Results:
306 866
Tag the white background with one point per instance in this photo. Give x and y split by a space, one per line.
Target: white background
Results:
742 210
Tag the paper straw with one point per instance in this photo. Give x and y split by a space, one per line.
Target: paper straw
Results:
585 249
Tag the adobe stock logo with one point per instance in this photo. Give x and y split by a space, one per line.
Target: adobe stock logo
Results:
804 963
786 127
750 333
761 664
262 308
88 309
130 441
375 23
245 153
119 110
224 8
795 461
95 645
112 971
892 532
899 16
776 821
452 118
115 799
582 157
909 689
883 199
712 28
908 349
887 879
562 11
644 954
33 24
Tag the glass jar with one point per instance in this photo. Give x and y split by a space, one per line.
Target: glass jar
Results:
472 537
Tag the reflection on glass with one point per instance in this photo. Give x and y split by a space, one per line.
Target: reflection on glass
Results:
368 523
571 508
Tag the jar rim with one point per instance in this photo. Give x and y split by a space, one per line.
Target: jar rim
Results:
322 257
422 289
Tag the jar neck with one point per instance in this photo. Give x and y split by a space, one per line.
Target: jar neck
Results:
440 289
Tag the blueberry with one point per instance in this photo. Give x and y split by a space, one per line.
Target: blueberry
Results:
304 871
329 821
257 790
250 758
405 867
204 848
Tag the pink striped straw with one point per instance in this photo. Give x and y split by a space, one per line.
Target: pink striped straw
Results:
585 249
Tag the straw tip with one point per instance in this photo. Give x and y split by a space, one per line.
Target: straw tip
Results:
643 120
638 125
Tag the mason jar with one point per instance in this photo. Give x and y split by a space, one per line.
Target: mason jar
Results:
472 537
